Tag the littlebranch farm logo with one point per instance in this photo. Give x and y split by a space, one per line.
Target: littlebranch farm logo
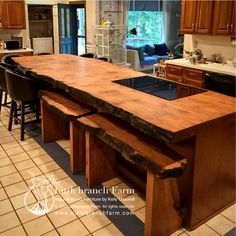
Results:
44 195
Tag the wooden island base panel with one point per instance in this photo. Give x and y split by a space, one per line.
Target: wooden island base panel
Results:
199 127
58 122
104 135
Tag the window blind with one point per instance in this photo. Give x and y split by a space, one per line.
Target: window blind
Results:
142 5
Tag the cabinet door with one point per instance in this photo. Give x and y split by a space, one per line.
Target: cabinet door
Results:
13 15
1 7
204 17
222 17
188 16
232 25
183 91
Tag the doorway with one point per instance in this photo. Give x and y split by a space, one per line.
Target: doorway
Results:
72 30
81 37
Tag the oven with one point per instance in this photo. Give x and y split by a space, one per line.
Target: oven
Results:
220 83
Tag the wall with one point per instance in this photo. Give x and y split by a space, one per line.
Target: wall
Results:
172 13
90 16
210 45
91 6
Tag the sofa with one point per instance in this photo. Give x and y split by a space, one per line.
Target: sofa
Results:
144 57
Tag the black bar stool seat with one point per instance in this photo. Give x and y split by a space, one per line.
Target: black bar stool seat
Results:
22 91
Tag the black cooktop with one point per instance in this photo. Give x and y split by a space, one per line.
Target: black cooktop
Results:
159 87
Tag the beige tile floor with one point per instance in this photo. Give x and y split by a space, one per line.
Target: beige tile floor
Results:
72 214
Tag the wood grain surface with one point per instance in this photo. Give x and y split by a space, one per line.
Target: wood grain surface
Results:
91 80
136 147
64 107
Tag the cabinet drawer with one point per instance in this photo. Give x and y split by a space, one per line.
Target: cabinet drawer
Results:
175 78
192 74
195 83
174 70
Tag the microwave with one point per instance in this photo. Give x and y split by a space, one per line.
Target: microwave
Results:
12 44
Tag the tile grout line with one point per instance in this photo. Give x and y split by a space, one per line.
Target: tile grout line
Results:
21 193
228 218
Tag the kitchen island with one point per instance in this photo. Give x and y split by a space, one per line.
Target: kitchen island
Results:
199 127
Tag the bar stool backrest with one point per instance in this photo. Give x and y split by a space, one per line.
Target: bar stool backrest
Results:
43 54
3 84
89 55
8 60
21 88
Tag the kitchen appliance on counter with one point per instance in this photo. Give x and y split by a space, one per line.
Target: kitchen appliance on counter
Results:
12 44
220 83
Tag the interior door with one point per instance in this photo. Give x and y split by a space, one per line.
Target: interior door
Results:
66 34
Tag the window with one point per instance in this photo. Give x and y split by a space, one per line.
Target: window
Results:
149 26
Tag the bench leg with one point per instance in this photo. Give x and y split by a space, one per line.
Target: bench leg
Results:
77 148
162 200
100 161
53 127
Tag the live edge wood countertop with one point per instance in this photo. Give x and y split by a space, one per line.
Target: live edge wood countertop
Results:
91 80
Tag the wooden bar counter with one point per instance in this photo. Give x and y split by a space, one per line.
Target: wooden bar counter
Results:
200 127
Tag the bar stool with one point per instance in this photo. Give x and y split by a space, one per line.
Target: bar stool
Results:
3 87
104 59
22 91
89 55
43 54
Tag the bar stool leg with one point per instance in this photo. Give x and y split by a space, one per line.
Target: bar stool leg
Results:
5 100
37 108
162 206
15 114
12 109
1 93
22 128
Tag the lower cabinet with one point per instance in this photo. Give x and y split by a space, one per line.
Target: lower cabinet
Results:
27 53
185 75
183 91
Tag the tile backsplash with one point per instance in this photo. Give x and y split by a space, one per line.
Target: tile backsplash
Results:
211 45
7 34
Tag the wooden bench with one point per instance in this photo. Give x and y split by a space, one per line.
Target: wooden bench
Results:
59 114
104 136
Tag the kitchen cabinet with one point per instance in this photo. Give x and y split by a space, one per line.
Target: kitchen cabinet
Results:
185 75
184 91
1 5
12 14
233 20
174 73
222 17
196 16
21 51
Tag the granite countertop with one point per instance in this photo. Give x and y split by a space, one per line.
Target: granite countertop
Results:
211 67
16 50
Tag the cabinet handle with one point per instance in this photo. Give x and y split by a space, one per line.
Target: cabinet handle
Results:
196 26
231 28
227 27
193 74
192 25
